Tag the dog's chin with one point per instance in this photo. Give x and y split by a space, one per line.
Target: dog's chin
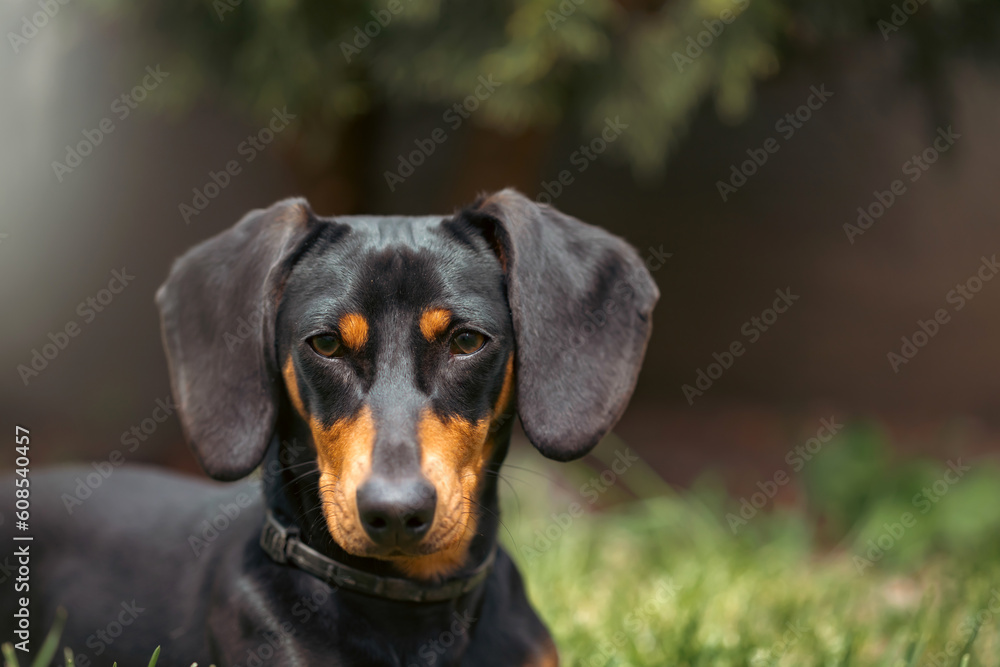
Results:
437 556
360 545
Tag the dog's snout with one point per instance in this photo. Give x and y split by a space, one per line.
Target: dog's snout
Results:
396 512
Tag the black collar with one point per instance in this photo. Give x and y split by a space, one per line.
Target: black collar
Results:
283 545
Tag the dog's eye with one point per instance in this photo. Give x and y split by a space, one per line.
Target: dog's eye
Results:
327 346
467 342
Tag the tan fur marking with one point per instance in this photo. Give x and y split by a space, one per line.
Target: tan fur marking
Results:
454 454
548 658
353 330
434 322
292 385
452 458
344 455
503 401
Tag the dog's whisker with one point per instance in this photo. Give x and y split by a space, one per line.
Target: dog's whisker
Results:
311 462
551 478
497 515
297 477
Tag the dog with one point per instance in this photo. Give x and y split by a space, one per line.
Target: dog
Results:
368 368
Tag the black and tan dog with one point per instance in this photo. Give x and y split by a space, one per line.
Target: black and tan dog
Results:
374 386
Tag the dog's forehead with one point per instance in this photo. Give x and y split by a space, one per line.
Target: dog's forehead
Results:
364 263
380 231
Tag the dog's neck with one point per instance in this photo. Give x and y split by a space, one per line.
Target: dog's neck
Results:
291 483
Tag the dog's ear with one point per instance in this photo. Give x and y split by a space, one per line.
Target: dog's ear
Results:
218 314
580 301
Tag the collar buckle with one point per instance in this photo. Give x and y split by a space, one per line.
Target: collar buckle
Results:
276 538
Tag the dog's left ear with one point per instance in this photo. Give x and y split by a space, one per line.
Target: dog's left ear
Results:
218 313
581 301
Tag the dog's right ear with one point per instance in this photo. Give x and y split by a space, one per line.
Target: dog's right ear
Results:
574 376
218 314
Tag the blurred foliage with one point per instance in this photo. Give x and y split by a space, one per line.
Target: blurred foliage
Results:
572 62
918 507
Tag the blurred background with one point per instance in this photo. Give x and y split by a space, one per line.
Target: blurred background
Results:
844 154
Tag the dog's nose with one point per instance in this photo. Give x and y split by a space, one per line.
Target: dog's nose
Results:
396 512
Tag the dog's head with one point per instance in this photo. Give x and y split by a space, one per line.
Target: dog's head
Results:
402 344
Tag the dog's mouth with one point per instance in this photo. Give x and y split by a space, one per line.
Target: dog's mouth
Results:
422 520
448 530
440 551
396 552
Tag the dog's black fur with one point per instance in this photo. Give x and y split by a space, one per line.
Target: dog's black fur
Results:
525 276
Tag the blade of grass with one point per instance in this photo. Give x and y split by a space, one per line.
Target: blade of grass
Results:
846 660
914 651
51 643
967 649
9 657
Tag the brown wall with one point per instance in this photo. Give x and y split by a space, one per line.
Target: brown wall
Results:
782 229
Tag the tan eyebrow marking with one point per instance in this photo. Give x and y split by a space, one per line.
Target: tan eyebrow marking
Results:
292 385
507 389
433 322
353 330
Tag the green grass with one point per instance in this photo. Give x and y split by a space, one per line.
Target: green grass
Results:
50 646
643 575
662 580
